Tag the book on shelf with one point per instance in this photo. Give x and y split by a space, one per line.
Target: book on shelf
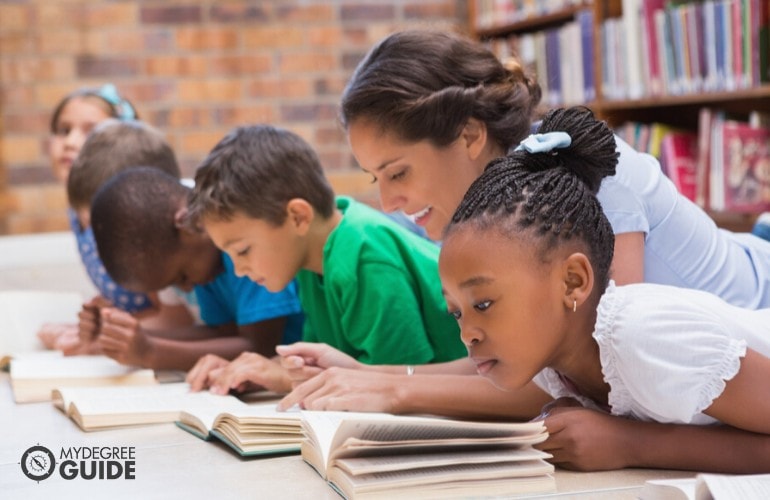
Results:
708 487
740 167
35 375
249 429
374 455
25 311
678 158
104 407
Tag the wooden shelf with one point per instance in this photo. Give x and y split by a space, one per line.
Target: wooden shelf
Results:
703 99
533 23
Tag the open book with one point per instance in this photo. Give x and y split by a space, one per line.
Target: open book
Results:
35 375
708 487
23 312
94 408
249 429
375 455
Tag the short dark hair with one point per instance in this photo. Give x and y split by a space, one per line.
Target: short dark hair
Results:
550 197
257 170
425 85
132 217
114 146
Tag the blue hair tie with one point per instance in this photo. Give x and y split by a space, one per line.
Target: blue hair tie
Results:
123 108
544 143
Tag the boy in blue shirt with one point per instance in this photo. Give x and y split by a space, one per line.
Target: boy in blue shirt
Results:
368 286
138 219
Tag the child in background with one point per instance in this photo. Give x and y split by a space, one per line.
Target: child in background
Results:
525 266
114 146
72 120
138 222
367 285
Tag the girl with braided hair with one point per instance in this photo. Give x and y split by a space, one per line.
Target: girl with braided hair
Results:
525 266
425 112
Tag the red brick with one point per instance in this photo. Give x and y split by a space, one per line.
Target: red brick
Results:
231 117
199 142
280 87
194 65
330 135
181 117
35 174
240 13
15 17
25 122
351 59
93 67
132 41
142 93
30 70
209 91
16 43
308 112
59 42
271 37
60 14
305 13
324 36
367 12
202 39
306 62
431 10
110 14
247 65
20 149
183 14
330 86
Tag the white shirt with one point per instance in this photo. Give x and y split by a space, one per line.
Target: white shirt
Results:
667 352
683 246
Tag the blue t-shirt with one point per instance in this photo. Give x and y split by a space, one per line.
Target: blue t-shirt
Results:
230 299
131 302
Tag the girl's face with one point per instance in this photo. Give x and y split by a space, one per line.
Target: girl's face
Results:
508 303
426 182
77 118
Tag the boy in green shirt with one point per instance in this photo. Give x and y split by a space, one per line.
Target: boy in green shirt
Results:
368 287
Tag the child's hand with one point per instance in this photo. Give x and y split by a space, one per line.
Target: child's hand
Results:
342 389
250 371
89 319
305 360
584 439
122 339
50 333
205 370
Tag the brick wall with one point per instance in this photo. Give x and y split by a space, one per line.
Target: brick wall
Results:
194 69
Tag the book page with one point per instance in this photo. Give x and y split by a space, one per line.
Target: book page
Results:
668 489
23 312
406 461
125 405
725 487
53 364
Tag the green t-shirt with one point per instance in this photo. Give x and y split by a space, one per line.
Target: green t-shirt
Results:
379 299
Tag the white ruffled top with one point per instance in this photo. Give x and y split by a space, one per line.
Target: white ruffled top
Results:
667 352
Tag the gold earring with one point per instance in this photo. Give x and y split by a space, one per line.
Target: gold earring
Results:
574 305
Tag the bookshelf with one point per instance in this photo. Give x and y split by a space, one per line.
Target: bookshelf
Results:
507 25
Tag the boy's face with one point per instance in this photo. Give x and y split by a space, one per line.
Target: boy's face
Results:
196 262
270 256
508 303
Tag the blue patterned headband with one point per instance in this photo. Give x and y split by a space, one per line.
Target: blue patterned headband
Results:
123 108
545 143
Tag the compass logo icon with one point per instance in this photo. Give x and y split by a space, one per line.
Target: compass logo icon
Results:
38 463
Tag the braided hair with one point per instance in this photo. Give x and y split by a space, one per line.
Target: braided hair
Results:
426 84
551 195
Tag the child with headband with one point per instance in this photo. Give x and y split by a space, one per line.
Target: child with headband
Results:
526 271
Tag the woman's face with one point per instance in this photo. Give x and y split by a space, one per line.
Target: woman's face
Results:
425 182
77 118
